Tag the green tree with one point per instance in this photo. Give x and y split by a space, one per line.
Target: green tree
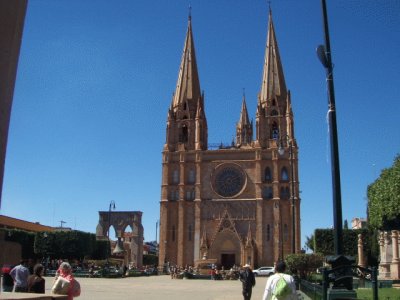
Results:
310 242
24 238
384 199
304 264
65 244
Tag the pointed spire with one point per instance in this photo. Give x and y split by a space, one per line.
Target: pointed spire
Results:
273 80
244 116
244 128
188 84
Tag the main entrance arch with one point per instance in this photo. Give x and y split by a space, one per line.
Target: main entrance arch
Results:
226 248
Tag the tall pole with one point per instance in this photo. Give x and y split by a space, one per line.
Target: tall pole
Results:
326 60
156 230
111 206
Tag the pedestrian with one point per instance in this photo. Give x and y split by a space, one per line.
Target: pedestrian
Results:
248 281
36 281
65 283
8 282
280 285
20 276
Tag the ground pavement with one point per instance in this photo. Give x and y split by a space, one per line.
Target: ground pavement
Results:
159 287
163 287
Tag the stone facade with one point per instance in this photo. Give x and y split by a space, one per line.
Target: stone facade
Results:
234 204
389 245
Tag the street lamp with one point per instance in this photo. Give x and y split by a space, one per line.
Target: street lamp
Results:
341 265
324 55
45 253
111 207
281 151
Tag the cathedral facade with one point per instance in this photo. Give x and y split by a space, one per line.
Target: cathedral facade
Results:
236 204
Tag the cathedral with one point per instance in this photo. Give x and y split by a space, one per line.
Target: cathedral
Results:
236 204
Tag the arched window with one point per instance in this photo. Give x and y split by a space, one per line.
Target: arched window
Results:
268 232
267 174
267 192
274 131
274 112
273 102
173 233
175 177
176 194
192 176
284 193
190 233
284 174
184 134
285 233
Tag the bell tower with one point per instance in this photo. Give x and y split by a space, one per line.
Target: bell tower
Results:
186 122
272 116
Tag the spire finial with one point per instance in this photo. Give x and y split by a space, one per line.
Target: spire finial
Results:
244 92
190 12
269 6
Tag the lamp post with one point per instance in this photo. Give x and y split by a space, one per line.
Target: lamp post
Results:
46 263
281 151
324 55
341 265
111 207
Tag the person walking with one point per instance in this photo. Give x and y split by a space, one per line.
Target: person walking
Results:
248 281
280 286
20 276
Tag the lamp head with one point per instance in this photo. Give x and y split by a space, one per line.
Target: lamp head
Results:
321 53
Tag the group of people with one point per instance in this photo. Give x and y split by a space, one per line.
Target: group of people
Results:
21 280
279 286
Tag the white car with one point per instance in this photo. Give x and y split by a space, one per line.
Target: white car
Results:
264 271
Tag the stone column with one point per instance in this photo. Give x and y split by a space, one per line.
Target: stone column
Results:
361 259
384 266
395 265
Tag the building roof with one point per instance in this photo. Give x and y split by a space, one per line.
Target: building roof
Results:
13 223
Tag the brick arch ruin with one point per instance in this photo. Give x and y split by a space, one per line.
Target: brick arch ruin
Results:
120 221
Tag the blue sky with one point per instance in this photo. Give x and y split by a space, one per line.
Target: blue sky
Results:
95 81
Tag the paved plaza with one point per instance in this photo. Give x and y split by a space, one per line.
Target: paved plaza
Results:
158 287
162 287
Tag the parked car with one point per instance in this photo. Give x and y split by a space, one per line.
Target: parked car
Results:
264 271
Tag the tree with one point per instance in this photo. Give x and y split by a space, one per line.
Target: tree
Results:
310 242
304 264
65 244
384 199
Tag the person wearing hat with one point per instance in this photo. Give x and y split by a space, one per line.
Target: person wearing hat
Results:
248 281
272 283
